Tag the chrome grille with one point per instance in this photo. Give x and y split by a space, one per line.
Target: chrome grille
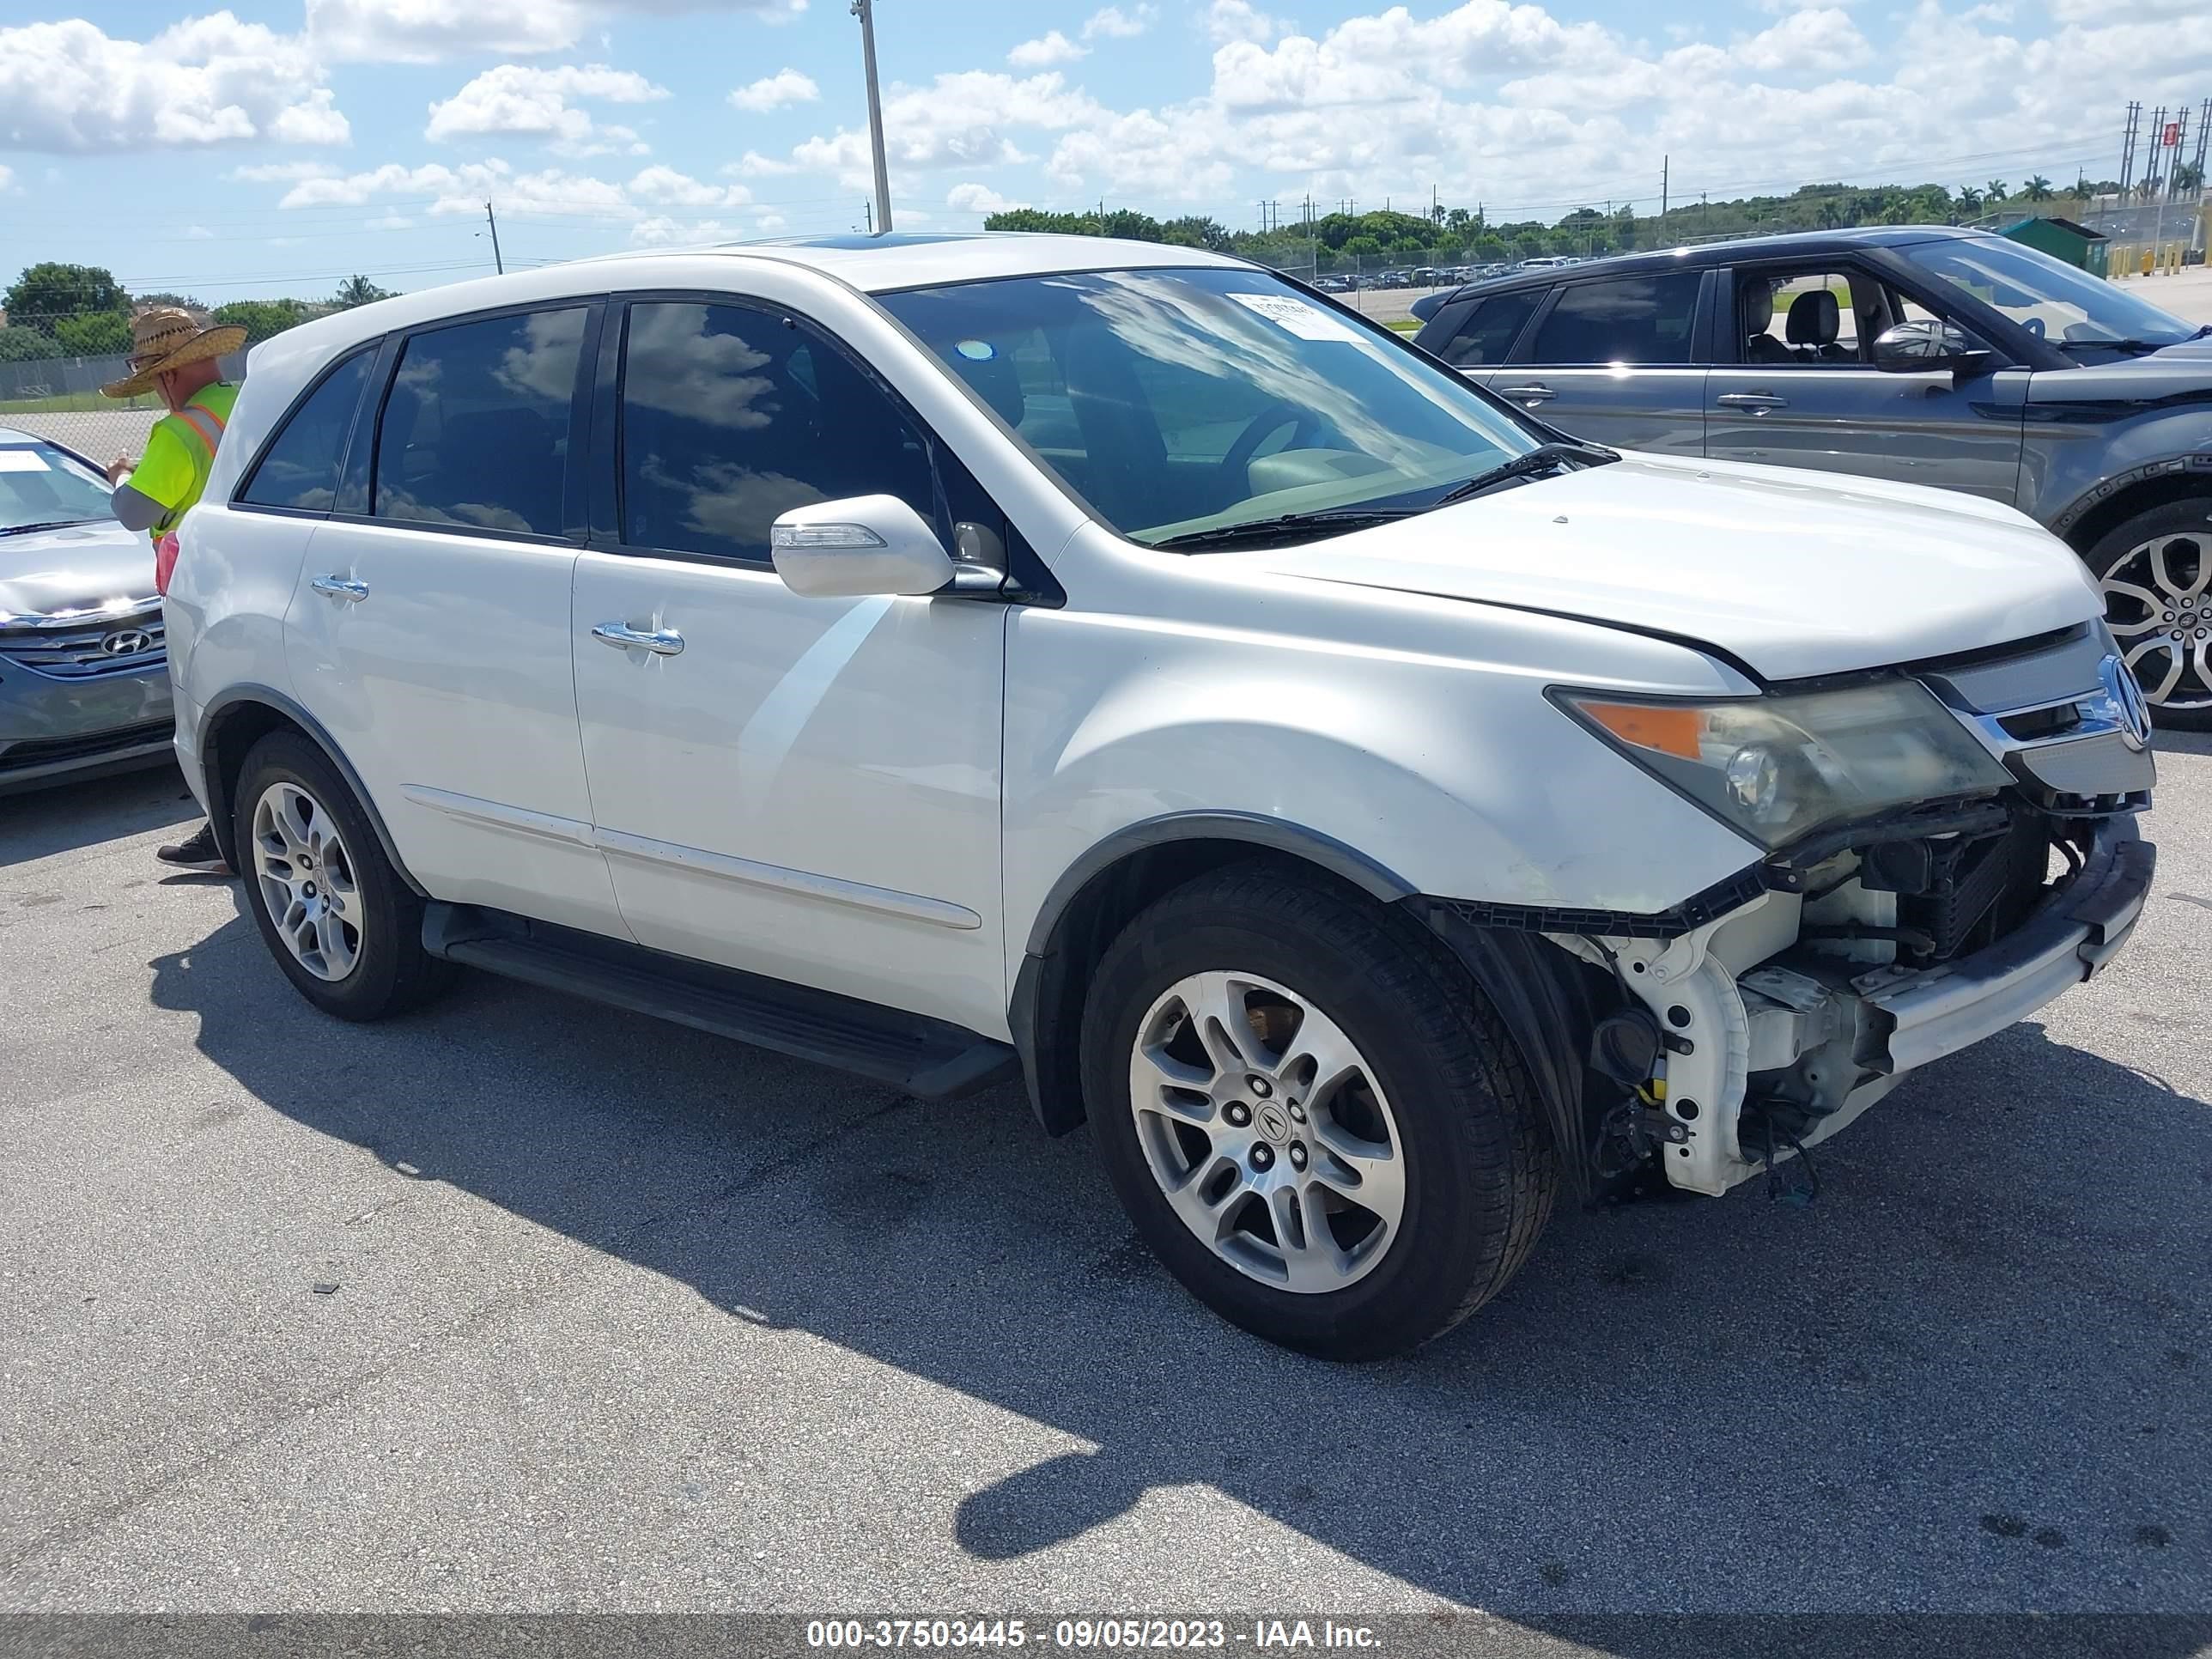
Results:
2054 715
86 647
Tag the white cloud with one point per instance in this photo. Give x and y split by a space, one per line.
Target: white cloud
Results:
70 87
978 199
192 232
955 121
282 173
1043 52
7 178
1239 19
427 31
786 86
1117 24
661 231
753 165
664 186
391 222
513 99
463 190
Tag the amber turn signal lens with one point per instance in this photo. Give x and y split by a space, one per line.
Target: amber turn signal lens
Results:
1668 730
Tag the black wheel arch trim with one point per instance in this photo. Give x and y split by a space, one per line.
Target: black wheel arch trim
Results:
2194 466
219 805
1272 835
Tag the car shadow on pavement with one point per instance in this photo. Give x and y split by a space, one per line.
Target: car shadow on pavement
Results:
1971 1376
64 817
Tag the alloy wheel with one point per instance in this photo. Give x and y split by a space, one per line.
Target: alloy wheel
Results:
1267 1131
2158 609
307 880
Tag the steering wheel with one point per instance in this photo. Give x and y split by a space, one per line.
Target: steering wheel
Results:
1238 463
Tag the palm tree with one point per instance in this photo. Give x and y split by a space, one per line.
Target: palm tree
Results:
359 291
1998 191
1970 200
2038 188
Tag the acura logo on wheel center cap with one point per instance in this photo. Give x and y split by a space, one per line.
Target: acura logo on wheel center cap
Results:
1272 1123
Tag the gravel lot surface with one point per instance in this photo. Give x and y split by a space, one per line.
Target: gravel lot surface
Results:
627 1317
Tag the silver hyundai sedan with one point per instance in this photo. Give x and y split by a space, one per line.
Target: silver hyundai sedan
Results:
84 679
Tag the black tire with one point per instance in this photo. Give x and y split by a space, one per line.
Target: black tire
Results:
1480 1171
393 973
2185 521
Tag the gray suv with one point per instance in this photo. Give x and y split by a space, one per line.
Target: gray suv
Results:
84 679
1924 355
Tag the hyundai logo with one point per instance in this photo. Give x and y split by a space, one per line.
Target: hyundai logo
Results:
2127 703
127 642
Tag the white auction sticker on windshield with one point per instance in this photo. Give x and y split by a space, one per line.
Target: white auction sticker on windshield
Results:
22 460
1288 311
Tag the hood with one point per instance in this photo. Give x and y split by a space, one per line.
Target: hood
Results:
1795 573
85 566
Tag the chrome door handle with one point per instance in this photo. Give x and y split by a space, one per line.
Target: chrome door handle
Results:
1761 400
340 587
662 642
1535 393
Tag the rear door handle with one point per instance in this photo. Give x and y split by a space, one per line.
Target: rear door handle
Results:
1759 400
661 641
1535 392
340 587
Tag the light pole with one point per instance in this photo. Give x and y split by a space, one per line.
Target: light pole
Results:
865 11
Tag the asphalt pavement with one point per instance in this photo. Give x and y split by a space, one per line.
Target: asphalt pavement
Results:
518 1303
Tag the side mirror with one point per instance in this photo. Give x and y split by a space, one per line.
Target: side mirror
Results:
863 545
1926 347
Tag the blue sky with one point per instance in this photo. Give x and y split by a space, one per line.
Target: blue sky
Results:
272 147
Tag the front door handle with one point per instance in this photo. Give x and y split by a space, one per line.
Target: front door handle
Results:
340 587
661 641
1757 400
1535 392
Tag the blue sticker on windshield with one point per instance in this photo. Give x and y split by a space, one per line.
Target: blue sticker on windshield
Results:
976 351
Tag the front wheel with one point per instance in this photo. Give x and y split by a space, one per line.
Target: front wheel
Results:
1311 1115
2155 570
343 926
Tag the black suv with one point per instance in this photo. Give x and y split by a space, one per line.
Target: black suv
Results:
1923 355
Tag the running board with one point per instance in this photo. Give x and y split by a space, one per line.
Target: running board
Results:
926 1058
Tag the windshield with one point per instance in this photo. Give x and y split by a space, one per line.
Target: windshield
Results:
40 484
2048 297
1181 401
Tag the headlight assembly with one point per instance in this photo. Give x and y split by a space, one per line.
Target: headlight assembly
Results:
1777 766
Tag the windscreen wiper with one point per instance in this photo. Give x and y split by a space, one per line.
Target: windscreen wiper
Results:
1542 458
2119 345
1285 527
49 524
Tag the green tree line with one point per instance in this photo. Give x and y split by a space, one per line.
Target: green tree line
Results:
1460 234
56 310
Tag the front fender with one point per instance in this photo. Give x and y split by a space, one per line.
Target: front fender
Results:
2079 455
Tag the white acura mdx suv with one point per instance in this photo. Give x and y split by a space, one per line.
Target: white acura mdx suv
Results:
1374 811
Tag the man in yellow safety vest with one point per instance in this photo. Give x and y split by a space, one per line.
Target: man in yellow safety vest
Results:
178 354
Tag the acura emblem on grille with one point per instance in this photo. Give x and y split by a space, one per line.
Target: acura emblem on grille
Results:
2127 702
127 642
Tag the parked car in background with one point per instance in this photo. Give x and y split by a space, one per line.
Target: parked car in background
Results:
949 657
1333 284
84 683
1917 355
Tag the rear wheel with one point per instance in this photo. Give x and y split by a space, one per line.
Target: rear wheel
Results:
342 925
2155 570
1311 1115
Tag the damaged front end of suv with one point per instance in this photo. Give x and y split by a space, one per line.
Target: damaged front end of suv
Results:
1949 846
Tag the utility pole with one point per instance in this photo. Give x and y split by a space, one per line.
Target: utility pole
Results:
2128 151
1666 167
868 213
865 11
497 264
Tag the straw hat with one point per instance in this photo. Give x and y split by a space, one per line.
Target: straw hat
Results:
167 337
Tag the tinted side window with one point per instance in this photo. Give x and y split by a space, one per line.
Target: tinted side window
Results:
300 467
1490 329
731 417
1630 319
476 430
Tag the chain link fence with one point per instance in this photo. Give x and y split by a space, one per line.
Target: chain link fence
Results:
58 398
